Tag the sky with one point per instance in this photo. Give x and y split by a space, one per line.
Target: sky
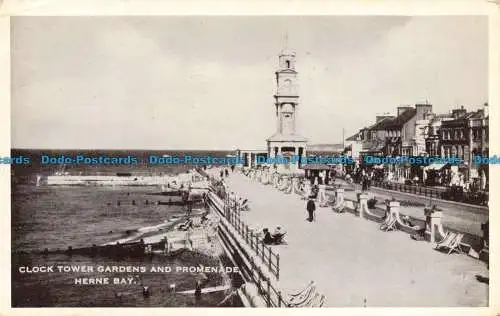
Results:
208 82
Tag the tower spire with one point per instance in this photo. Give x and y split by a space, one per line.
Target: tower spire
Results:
286 39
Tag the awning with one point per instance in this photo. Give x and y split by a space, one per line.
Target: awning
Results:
435 166
318 167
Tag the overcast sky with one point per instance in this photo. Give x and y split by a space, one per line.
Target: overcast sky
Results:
208 82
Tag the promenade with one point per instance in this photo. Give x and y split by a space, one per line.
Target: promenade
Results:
354 263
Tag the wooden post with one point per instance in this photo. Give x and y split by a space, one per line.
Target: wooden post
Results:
268 292
257 245
270 258
279 298
252 262
277 266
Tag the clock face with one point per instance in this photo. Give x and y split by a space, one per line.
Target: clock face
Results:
287 107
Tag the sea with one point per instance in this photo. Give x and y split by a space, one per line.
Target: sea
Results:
58 217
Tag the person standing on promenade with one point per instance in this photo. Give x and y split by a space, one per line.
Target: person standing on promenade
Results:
311 207
197 291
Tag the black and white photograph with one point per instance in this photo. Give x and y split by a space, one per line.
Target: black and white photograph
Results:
276 161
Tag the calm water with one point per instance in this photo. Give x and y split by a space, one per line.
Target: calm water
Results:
57 217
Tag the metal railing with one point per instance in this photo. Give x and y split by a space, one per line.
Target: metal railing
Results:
266 253
269 258
414 189
271 295
232 214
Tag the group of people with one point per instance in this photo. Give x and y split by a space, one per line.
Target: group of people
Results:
225 172
275 238
237 202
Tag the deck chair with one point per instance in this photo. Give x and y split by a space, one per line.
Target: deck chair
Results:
317 301
302 297
278 239
389 224
301 291
456 244
244 205
445 243
305 299
310 301
446 235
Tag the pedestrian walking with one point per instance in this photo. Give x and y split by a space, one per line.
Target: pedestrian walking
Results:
364 183
311 207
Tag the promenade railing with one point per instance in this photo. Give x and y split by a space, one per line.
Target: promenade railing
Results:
267 289
268 256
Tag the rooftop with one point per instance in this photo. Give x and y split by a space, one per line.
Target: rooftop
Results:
287 52
479 114
279 137
398 122
353 137
325 147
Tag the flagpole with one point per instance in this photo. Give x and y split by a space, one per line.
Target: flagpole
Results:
343 145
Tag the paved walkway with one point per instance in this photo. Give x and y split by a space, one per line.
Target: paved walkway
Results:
351 260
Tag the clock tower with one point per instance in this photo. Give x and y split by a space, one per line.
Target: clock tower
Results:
286 142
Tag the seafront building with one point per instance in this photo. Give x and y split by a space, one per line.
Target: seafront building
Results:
418 131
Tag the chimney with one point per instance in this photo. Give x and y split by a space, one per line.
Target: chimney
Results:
422 110
402 109
456 113
485 109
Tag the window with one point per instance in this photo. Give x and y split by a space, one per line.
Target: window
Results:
287 64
